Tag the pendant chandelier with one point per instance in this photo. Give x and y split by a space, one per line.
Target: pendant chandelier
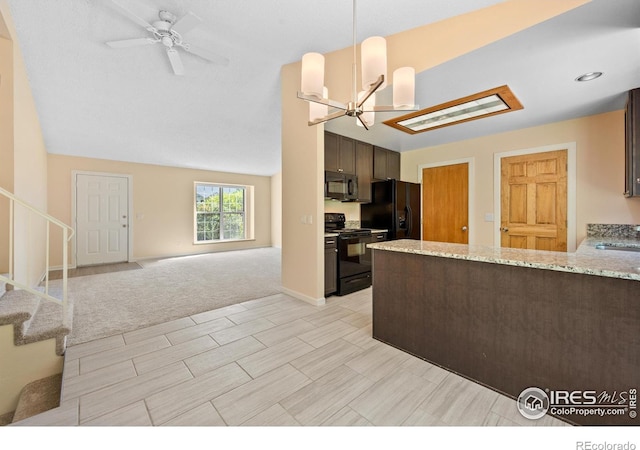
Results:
362 104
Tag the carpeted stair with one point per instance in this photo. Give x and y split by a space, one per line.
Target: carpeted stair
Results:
38 397
34 319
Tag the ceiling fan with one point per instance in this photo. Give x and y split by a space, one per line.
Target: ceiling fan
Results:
167 31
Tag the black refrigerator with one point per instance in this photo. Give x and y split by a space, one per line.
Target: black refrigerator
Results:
395 206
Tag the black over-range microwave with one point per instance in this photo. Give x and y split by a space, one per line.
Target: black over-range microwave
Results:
340 186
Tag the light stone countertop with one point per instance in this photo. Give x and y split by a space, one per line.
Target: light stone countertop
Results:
586 260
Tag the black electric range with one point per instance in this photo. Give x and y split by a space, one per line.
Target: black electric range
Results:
354 258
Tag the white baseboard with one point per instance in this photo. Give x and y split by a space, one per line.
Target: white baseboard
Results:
305 298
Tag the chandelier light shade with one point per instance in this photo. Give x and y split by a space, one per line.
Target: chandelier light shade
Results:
404 87
312 74
361 105
319 110
373 56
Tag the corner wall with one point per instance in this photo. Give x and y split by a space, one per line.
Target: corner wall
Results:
600 168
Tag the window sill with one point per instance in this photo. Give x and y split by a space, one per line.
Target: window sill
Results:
224 241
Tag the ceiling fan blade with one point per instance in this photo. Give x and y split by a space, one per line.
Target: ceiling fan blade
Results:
131 42
206 54
176 61
186 23
124 10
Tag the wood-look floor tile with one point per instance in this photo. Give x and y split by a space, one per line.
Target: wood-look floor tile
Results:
358 320
283 332
327 333
134 415
231 334
393 399
256 396
276 416
362 338
71 368
327 315
97 379
217 313
494 420
292 313
346 417
253 314
93 347
318 401
378 361
179 399
152 361
147 333
116 355
223 355
506 408
276 299
277 355
114 397
204 415
323 360
425 370
457 401
196 331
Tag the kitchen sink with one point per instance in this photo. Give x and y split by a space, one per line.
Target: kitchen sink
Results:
617 247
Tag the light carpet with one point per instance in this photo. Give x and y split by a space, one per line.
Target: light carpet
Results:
167 289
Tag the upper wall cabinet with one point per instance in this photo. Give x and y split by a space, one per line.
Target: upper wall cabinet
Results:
339 153
632 146
364 170
386 164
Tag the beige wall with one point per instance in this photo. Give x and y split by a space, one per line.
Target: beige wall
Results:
162 220
302 195
276 210
600 168
6 144
29 171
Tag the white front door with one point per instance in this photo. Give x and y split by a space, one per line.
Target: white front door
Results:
102 219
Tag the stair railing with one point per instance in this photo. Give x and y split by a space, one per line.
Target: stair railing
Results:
67 234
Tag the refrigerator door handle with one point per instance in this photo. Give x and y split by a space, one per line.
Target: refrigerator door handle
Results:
409 220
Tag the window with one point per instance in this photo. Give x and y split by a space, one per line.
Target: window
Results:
220 212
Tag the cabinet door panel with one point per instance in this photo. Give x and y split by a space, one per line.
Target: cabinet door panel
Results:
347 155
364 170
330 152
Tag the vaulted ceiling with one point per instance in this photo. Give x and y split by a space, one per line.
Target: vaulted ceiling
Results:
126 104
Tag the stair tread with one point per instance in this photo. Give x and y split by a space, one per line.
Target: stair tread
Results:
17 307
38 397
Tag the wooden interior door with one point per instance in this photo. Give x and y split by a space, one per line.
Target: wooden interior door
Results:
445 203
533 201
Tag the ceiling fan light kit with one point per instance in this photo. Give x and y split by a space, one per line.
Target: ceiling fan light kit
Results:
374 76
168 31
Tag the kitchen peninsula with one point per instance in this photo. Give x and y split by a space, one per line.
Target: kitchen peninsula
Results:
512 319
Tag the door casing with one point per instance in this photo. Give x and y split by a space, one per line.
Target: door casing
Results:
571 188
74 177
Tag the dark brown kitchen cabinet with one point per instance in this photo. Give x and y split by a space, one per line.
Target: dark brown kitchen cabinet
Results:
386 164
632 146
339 153
330 265
364 170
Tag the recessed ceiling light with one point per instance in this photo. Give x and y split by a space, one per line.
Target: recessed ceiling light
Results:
589 76
483 104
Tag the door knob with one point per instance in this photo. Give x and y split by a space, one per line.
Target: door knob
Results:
505 229
464 228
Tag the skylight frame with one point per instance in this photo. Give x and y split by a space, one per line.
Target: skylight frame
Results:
502 94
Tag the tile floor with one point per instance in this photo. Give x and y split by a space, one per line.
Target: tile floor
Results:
274 361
